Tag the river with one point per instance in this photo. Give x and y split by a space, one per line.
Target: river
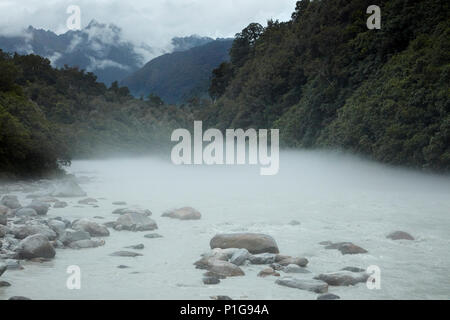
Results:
334 197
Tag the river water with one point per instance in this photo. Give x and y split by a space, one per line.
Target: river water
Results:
334 197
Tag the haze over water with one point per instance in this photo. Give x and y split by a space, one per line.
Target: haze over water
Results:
334 197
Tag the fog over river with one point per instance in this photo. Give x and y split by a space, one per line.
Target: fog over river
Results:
334 198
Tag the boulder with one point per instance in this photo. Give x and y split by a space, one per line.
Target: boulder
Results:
313 285
239 257
343 278
262 258
40 207
4 284
87 243
70 235
134 221
224 268
185 213
328 296
211 280
287 260
24 231
346 248
11 202
122 211
91 227
399 235
60 204
58 226
36 246
255 243
26 212
268 272
293 268
88 201
68 188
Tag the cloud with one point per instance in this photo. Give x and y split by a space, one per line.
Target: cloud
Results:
150 22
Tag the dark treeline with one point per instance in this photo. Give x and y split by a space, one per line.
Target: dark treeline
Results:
325 80
48 116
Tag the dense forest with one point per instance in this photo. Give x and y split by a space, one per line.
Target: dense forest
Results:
48 116
325 80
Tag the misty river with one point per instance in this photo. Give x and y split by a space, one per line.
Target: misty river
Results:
334 197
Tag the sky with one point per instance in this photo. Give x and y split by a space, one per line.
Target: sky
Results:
153 22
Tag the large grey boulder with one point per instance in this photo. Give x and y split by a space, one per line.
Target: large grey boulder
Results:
57 225
135 221
26 212
36 246
40 207
313 285
11 202
254 242
185 213
91 227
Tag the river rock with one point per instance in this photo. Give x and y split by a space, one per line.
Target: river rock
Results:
287 260
313 285
125 254
136 247
262 258
36 246
343 278
24 231
119 203
268 272
91 227
239 257
134 221
211 280
224 268
346 248
11 202
4 284
153 236
328 296
293 268
40 207
255 243
58 226
88 201
68 188
400 235
87 243
122 211
26 212
185 213
70 235
60 205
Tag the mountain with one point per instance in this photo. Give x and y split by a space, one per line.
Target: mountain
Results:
186 43
178 76
98 48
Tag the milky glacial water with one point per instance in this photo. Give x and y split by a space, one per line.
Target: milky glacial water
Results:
334 197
